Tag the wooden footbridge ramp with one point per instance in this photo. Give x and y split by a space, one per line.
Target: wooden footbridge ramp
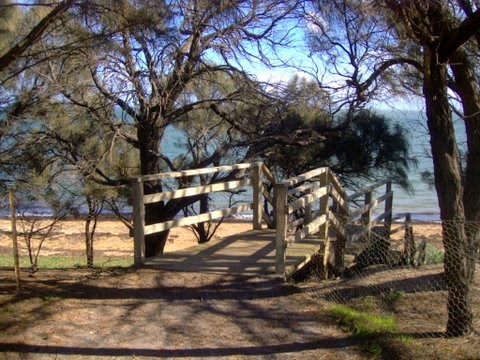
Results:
307 217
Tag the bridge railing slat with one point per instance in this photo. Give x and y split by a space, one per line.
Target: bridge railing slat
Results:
317 194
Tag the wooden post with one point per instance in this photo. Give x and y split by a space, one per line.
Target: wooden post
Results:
409 247
257 195
308 216
367 215
16 262
281 221
388 210
323 231
341 241
138 222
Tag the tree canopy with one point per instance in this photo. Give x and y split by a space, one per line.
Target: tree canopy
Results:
89 88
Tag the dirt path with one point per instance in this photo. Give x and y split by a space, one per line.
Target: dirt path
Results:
146 313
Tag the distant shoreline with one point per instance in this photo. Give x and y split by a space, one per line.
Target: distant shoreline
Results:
242 219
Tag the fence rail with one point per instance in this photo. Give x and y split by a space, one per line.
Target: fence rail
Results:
311 206
251 176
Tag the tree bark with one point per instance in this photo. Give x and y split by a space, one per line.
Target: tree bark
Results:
468 89
448 183
149 136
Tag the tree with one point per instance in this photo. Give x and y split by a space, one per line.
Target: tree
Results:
443 36
144 55
369 148
35 229
434 38
10 11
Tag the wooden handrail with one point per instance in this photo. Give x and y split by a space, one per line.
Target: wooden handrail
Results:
304 177
197 190
140 200
367 189
318 186
192 172
373 203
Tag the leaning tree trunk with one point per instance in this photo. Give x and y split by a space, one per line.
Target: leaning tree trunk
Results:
448 183
149 136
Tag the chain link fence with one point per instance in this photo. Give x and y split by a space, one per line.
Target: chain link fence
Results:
424 277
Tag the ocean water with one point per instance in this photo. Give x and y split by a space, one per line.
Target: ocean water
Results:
421 202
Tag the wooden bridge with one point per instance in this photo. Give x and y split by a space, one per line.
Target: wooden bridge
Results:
293 220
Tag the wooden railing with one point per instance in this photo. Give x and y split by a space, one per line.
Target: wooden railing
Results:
252 177
313 205
302 191
327 206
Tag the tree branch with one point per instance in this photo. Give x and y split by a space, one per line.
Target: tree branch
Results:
458 36
34 35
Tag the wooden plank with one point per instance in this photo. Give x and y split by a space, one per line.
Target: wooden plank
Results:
305 176
388 207
155 228
257 188
397 229
267 219
268 174
281 223
382 216
304 188
339 199
337 225
193 172
307 199
267 196
370 205
337 185
251 253
197 190
362 192
308 229
138 223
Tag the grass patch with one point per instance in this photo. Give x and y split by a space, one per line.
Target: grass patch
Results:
376 331
66 262
433 255
51 298
363 324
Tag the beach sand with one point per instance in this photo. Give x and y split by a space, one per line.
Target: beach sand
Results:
112 237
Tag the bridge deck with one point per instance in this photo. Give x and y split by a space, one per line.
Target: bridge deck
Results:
247 253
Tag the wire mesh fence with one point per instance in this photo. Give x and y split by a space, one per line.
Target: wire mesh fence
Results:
424 277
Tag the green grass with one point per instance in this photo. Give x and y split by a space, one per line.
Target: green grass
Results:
64 262
371 328
51 298
433 255
363 323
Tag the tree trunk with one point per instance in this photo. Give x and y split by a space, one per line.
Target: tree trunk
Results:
448 183
89 243
467 88
149 137
94 208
